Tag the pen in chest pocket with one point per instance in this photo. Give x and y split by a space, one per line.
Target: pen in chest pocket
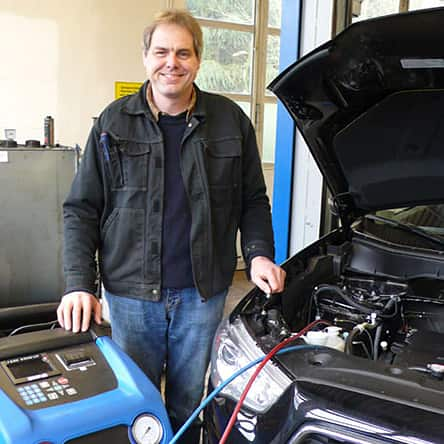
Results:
104 143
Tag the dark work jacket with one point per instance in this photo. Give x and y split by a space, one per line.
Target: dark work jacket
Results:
115 205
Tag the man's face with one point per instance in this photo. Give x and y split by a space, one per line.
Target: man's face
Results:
171 62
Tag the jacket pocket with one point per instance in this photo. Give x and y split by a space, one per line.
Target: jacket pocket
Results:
129 160
122 249
223 164
223 157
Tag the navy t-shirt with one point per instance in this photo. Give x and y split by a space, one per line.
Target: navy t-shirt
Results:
176 253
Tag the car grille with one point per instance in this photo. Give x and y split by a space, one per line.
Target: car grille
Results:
328 434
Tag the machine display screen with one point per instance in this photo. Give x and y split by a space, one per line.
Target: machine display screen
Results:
29 368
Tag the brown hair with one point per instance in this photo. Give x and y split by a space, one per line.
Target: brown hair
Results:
178 17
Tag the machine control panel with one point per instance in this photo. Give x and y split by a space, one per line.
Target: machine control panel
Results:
56 377
46 391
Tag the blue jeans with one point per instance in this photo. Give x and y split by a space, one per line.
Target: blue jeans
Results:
175 333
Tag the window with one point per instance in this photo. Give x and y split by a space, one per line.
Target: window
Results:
423 4
241 56
364 9
375 8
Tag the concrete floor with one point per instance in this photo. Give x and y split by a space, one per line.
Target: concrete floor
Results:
241 286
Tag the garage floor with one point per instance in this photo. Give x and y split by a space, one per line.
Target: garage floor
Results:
241 286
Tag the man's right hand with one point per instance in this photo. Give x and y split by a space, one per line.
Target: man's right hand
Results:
75 311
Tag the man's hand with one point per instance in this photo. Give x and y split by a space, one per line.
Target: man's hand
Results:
76 309
268 276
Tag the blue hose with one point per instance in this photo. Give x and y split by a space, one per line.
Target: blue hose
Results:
213 394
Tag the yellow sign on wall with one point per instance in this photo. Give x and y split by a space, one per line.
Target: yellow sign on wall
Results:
122 89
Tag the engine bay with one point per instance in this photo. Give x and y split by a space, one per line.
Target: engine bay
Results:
398 320
381 319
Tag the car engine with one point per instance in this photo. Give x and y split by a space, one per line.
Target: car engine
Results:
398 321
385 320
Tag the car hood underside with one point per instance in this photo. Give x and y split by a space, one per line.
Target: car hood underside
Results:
369 105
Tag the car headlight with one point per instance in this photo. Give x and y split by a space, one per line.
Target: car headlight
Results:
233 349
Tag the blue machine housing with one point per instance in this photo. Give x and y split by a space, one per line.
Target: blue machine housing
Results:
83 420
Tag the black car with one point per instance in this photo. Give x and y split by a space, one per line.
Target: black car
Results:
370 105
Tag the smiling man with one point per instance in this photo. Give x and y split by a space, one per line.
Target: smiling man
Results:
168 177
171 64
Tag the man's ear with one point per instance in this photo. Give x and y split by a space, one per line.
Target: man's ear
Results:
144 56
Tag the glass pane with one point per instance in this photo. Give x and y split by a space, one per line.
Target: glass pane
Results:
429 218
375 8
423 4
237 11
227 61
274 13
246 107
269 139
273 49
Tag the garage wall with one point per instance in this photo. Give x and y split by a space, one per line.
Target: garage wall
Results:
307 180
62 57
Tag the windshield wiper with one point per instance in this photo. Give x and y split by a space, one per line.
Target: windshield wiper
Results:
407 227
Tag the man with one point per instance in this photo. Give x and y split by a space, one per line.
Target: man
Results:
168 176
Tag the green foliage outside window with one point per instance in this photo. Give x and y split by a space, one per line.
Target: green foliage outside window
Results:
226 64
236 11
228 54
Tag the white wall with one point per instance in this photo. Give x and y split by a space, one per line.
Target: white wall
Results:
62 57
307 184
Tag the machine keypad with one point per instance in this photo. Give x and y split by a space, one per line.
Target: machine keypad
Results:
44 391
32 394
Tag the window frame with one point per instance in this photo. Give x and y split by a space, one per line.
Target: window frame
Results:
257 98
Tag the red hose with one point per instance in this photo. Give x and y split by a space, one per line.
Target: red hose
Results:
275 349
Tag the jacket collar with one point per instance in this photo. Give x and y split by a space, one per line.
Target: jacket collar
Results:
199 109
156 111
137 104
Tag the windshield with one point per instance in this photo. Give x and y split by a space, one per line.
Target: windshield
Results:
419 227
429 218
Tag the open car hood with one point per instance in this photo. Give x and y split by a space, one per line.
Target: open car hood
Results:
370 105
